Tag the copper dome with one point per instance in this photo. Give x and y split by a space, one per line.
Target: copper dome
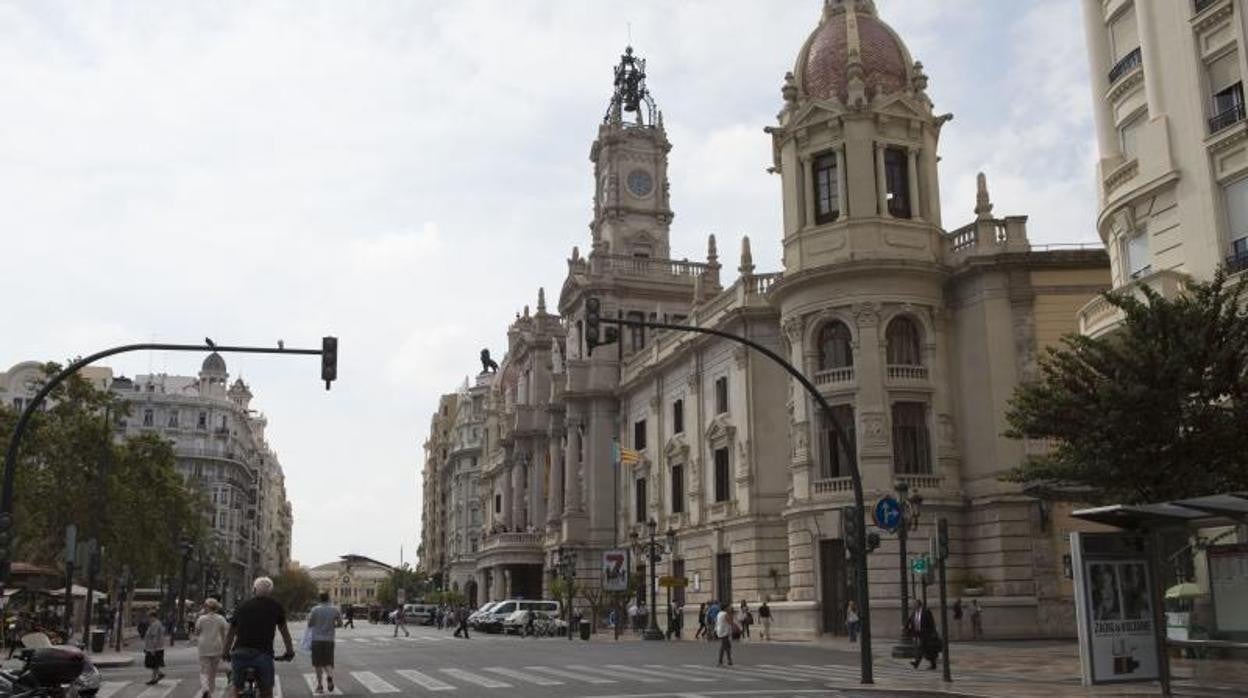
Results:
823 66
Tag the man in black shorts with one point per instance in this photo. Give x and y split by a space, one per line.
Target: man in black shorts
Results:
250 639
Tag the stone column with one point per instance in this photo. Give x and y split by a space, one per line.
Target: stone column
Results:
516 476
808 191
842 188
881 182
1146 16
1097 37
871 408
508 511
912 172
555 506
571 466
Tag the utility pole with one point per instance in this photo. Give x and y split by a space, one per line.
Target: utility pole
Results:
942 552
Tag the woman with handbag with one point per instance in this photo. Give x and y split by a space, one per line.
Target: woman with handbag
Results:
154 647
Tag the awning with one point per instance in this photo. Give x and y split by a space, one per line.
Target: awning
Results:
1213 510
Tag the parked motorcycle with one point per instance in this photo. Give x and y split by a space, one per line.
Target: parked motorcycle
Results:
51 672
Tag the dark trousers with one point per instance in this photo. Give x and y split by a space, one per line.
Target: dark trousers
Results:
350 623
462 628
725 648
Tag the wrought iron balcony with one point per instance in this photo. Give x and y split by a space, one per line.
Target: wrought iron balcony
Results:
1226 117
1125 64
1202 5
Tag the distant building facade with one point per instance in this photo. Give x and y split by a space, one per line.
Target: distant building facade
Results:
1172 178
351 580
916 335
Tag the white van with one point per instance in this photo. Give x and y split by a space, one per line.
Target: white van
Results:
492 621
418 613
512 622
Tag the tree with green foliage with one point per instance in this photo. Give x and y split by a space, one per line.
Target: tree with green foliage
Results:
1155 410
295 589
413 582
127 493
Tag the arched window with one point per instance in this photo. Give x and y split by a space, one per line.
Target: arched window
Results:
835 348
903 343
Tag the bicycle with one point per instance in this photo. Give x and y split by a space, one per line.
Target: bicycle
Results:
251 687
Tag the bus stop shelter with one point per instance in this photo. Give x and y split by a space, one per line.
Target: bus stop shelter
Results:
1148 522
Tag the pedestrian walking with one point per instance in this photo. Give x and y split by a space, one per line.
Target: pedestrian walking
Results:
400 623
725 629
921 627
701 621
321 624
747 619
852 621
350 618
462 616
712 616
977 620
764 615
154 647
210 629
957 616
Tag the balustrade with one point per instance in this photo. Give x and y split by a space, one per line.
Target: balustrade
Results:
907 373
831 376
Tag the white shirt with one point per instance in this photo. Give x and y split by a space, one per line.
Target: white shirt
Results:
723 628
210 627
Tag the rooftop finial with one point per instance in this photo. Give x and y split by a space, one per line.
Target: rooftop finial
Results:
983 205
712 252
631 94
747 259
541 300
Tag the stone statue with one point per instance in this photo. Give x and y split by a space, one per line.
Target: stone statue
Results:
488 365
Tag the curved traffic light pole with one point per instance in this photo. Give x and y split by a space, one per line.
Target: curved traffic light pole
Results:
329 372
859 539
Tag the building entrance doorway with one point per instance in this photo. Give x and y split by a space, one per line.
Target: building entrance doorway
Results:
833 589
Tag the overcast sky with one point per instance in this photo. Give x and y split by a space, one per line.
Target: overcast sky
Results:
405 175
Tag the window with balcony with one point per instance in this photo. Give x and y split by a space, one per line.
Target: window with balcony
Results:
149 418
902 341
678 417
639 435
897 181
678 489
1129 133
911 445
173 419
639 501
1235 196
202 421
1124 44
721 474
827 193
1227 91
1139 262
721 395
835 346
837 451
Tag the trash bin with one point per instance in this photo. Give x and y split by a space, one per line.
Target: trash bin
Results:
97 640
584 630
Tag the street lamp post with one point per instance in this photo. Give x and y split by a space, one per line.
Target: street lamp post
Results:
654 553
179 633
564 564
671 573
909 520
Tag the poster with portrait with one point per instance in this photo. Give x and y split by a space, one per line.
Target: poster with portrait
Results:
615 570
1114 604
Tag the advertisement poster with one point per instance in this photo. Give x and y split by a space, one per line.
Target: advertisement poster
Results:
1114 601
615 570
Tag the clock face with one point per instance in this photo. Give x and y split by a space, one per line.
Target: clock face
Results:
640 183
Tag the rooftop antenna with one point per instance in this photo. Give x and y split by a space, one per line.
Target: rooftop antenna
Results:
630 33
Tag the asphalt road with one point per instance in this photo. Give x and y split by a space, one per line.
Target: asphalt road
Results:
370 660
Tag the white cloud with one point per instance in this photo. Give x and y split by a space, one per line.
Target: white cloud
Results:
406 175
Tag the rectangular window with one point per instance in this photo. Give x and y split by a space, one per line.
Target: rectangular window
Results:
678 417
639 435
1139 262
827 194
637 335
678 571
1124 36
721 395
721 475
1236 198
1128 135
498 503
202 423
897 182
678 489
173 419
149 418
723 577
1227 91
911 451
835 461
639 501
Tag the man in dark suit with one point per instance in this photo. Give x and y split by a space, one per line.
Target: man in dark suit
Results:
921 626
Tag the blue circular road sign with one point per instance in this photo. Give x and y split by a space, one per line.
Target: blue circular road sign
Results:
887 513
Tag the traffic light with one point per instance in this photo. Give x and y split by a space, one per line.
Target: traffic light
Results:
849 528
329 360
592 322
873 541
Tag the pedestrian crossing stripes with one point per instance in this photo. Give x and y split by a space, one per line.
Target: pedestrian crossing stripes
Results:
484 680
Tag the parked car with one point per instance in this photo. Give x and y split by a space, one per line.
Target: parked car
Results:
474 618
418 613
513 621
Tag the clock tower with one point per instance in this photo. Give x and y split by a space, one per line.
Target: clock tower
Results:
632 211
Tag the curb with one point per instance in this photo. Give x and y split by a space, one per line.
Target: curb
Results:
111 661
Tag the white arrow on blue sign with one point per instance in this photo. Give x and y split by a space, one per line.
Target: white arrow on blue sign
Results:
887 513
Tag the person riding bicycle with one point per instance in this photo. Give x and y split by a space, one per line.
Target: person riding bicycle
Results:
250 639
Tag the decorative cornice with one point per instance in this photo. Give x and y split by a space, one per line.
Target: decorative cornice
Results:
1121 174
1125 84
1212 15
